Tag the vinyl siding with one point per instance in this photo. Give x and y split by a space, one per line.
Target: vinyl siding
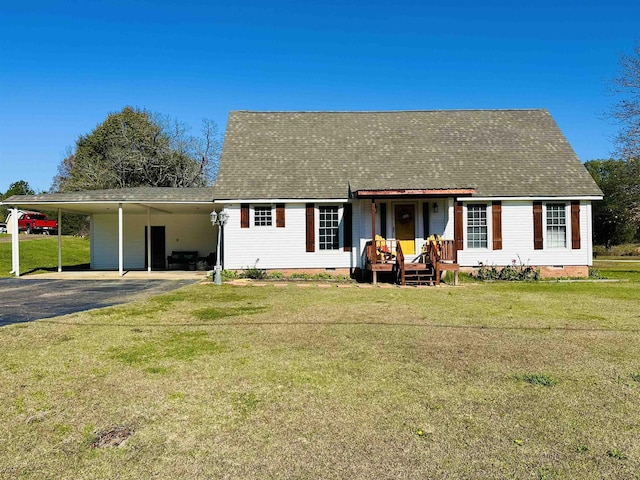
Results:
517 239
270 247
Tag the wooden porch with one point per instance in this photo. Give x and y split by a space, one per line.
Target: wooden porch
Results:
437 256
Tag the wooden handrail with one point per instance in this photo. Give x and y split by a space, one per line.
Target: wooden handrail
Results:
400 261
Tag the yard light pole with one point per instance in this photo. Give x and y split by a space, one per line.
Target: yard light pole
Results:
218 219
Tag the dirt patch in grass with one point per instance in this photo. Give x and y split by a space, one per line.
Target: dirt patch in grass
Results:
111 437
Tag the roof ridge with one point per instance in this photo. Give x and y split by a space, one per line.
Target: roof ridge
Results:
399 111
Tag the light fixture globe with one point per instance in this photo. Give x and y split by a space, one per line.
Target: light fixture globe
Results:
213 216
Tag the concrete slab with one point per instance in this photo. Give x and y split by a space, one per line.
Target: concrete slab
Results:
113 275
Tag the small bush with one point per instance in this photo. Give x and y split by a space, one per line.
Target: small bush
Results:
275 276
599 250
300 276
227 275
254 272
510 273
595 274
323 276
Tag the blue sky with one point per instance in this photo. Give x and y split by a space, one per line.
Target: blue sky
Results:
65 65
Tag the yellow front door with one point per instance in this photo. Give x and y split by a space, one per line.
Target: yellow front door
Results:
405 216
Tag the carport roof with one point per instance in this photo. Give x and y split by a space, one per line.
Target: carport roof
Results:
169 199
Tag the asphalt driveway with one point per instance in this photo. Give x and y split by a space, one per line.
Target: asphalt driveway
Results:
25 300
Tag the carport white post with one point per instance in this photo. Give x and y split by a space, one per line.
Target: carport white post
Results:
148 238
59 240
15 243
120 242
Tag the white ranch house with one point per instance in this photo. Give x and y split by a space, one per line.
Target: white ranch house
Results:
357 192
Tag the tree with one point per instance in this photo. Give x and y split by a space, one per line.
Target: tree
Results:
626 111
135 148
616 219
20 187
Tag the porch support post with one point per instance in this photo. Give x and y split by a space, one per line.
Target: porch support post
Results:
120 242
148 239
374 272
15 243
59 240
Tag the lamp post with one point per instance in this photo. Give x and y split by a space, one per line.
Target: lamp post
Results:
218 219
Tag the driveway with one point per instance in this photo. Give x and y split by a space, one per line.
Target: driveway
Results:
24 300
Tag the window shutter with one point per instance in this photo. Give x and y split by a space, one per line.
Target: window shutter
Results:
496 221
310 222
383 220
425 220
244 215
347 226
575 225
537 226
458 227
279 215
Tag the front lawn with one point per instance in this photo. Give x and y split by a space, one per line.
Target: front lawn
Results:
536 380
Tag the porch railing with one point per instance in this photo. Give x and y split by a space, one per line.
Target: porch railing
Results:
400 262
382 251
441 251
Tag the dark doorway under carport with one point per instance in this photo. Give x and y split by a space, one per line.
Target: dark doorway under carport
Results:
158 245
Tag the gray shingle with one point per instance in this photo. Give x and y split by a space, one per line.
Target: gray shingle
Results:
322 154
136 194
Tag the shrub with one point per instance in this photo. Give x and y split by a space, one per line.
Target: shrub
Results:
511 273
254 272
227 275
275 276
599 250
300 276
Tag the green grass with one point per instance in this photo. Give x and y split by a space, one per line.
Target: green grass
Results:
39 253
628 270
501 380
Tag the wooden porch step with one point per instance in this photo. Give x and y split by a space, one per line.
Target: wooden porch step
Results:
419 274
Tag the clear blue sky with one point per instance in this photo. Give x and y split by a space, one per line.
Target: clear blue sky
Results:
64 65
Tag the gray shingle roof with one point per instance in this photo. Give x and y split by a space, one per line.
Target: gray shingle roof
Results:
323 154
136 194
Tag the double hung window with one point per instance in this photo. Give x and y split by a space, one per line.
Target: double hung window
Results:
328 228
477 226
556 225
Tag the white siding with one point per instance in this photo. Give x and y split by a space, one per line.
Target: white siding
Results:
517 239
182 232
280 248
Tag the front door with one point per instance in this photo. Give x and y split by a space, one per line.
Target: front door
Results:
405 225
158 259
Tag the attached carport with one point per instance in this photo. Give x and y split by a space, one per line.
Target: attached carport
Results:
120 216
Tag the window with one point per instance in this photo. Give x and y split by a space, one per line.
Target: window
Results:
477 226
329 226
556 225
262 216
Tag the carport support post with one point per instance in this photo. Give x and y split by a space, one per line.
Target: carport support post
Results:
59 240
148 239
15 243
120 243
